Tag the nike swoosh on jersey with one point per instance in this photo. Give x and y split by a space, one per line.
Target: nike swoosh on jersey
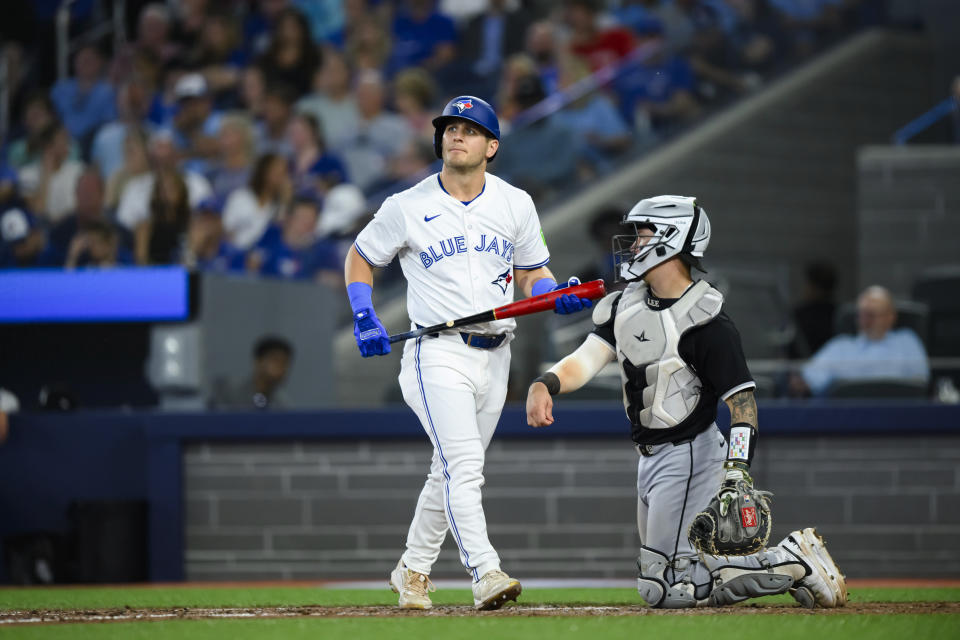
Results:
429 218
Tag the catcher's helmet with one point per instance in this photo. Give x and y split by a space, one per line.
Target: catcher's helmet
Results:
680 228
469 108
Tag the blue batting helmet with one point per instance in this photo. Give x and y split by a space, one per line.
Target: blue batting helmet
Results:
469 108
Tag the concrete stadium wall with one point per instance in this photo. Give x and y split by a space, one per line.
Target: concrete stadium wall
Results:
888 506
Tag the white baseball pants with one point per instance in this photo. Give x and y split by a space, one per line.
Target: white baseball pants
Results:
457 393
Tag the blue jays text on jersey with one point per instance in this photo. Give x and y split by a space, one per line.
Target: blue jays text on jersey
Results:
458 244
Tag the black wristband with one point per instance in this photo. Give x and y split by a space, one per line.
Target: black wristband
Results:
550 381
743 443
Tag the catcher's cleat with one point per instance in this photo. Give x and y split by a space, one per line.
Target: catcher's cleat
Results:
414 587
823 585
494 590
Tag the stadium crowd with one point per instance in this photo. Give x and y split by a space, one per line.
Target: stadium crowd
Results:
256 136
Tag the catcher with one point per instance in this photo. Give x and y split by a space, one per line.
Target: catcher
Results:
703 527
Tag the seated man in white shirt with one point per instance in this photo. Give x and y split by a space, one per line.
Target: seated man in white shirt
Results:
877 352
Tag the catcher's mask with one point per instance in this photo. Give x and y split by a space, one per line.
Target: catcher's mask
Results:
662 227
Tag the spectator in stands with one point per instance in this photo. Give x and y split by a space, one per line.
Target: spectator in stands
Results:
22 241
422 37
594 118
343 210
133 105
517 68
292 58
877 352
543 47
39 115
219 57
814 317
368 45
605 223
236 145
332 103
189 19
206 248
658 91
542 155
314 169
134 205
272 357
8 404
414 93
599 47
89 215
153 49
259 25
98 245
248 211
487 40
293 250
805 23
195 123
86 100
134 163
272 128
408 167
49 184
159 238
380 135
253 91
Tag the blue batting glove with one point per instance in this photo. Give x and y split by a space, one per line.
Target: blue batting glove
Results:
371 337
570 303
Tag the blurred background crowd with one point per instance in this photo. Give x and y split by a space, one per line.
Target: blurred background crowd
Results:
256 137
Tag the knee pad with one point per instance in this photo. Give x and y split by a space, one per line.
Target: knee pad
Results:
732 584
655 590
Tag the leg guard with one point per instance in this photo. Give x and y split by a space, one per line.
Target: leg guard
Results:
654 588
732 583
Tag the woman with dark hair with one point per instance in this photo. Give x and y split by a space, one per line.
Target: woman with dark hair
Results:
249 210
39 115
314 169
292 57
158 239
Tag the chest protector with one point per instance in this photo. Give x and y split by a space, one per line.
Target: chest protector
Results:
655 378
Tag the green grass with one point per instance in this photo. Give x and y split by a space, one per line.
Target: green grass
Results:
162 597
806 627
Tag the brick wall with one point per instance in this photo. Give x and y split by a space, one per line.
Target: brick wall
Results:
888 506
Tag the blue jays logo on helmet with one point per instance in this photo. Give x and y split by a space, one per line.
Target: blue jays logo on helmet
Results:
503 281
470 108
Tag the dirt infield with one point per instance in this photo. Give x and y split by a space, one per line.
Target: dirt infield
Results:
181 613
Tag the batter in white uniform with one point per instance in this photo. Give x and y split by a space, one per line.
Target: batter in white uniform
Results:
464 238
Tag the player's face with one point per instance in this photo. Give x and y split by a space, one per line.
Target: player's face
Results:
465 145
644 234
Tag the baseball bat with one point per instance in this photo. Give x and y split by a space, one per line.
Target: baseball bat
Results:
593 290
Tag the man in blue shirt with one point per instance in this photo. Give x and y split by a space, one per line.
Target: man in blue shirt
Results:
877 352
293 251
85 101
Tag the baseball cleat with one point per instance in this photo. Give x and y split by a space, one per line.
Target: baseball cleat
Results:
414 587
494 590
823 585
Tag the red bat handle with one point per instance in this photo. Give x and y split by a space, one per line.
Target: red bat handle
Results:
593 290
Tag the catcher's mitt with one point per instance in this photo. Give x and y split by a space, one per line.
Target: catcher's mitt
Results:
736 522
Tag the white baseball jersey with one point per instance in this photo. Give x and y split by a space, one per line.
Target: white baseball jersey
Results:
458 258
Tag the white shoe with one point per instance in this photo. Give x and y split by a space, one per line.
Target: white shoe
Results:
494 590
824 585
414 588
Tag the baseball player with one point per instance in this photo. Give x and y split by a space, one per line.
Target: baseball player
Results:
465 240
678 354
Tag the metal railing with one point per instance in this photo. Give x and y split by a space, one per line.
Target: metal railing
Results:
116 26
926 120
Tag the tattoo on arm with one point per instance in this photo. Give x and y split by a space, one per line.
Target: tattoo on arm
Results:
743 407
